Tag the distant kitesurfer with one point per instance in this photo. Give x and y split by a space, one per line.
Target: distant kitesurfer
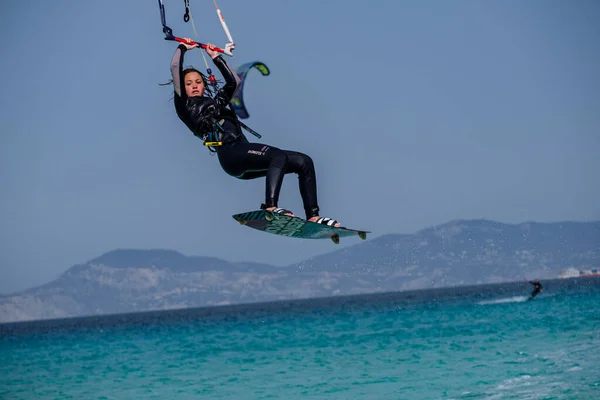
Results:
208 117
537 288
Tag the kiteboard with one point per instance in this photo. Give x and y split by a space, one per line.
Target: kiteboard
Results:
296 227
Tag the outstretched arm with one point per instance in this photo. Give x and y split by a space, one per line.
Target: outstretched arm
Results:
177 70
176 66
232 81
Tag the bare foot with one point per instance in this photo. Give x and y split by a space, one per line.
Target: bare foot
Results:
290 214
316 218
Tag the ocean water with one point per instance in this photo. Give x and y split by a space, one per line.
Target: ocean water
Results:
480 342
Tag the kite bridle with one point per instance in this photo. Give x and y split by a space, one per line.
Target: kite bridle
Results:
228 48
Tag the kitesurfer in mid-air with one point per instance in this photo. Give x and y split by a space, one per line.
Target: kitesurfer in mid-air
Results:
209 118
537 288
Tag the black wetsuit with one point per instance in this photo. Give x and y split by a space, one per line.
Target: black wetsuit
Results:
237 156
537 288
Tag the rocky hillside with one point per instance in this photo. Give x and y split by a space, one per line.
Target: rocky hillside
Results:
457 253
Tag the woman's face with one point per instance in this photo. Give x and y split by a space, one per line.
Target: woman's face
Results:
194 85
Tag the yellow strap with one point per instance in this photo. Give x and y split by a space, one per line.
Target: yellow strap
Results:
213 144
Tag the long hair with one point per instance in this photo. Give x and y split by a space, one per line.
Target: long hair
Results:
187 70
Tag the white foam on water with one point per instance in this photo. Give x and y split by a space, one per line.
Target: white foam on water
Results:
514 299
511 383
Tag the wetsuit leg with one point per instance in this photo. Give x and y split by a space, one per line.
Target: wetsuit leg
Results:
303 165
255 160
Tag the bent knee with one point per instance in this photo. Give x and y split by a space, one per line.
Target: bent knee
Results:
308 161
279 160
301 160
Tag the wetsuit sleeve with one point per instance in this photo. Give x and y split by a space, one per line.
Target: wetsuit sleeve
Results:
232 81
176 70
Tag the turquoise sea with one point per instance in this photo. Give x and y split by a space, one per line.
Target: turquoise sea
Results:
478 342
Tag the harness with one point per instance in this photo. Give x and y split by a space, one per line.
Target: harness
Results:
211 139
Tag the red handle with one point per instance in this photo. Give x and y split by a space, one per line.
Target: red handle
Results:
191 42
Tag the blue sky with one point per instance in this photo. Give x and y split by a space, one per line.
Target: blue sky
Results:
415 113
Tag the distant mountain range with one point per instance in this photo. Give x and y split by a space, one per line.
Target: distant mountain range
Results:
462 252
